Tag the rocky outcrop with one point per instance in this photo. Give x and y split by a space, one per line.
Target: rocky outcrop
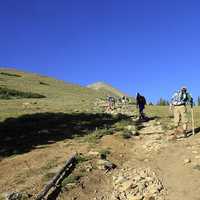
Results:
137 184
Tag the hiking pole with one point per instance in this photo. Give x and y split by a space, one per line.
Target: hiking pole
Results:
192 113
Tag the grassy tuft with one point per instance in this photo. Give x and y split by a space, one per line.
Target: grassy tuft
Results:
81 158
126 135
9 74
48 176
71 179
104 153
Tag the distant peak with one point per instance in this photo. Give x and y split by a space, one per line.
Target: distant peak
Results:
106 88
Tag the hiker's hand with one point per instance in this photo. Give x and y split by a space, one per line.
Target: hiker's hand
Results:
170 107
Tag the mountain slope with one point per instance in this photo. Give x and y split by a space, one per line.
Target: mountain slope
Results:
106 89
60 96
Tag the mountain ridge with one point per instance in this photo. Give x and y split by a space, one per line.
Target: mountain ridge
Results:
106 89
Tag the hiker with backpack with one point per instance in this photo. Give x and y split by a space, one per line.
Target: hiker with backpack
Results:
140 103
111 103
179 101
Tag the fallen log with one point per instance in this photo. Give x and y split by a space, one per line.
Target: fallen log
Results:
70 163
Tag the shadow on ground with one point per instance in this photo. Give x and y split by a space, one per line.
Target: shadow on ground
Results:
20 135
196 131
139 122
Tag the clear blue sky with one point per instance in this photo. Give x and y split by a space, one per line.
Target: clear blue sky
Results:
150 46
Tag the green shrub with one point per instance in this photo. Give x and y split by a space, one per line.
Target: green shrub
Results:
71 179
6 93
80 158
104 153
43 83
98 134
126 135
9 74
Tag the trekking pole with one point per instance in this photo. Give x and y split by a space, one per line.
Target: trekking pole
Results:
192 113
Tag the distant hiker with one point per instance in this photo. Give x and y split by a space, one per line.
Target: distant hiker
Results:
179 101
124 102
111 103
141 102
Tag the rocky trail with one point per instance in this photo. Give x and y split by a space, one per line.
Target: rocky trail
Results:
166 169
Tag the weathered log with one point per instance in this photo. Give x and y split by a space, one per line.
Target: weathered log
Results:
67 167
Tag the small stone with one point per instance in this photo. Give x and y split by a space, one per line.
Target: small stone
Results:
105 165
89 168
120 180
44 131
126 185
187 161
195 152
134 133
131 128
197 157
138 197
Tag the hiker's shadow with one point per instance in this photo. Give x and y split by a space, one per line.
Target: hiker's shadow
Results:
19 135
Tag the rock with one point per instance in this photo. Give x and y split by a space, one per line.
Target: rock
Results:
127 185
120 180
197 157
93 153
137 184
195 152
138 197
157 137
135 133
44 131
131 128
187 161
89 167
105 165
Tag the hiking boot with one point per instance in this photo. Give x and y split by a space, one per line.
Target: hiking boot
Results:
184 133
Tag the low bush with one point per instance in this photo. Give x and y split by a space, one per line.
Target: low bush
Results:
9 74
6 93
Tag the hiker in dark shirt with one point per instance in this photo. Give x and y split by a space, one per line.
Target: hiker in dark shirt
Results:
141 102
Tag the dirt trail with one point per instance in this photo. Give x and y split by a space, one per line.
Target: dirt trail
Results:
175 162
180 179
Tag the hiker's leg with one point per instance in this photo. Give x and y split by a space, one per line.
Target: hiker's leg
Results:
177 118
184 119
140 112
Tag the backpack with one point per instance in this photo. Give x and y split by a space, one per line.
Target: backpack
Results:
142 100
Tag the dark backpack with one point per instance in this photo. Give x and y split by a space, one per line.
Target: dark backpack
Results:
142 100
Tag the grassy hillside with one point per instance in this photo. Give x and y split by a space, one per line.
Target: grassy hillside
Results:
106 89
23 89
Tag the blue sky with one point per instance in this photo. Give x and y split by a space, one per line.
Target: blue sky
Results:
152 47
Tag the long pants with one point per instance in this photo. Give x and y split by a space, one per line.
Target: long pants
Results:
180 116
141 112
